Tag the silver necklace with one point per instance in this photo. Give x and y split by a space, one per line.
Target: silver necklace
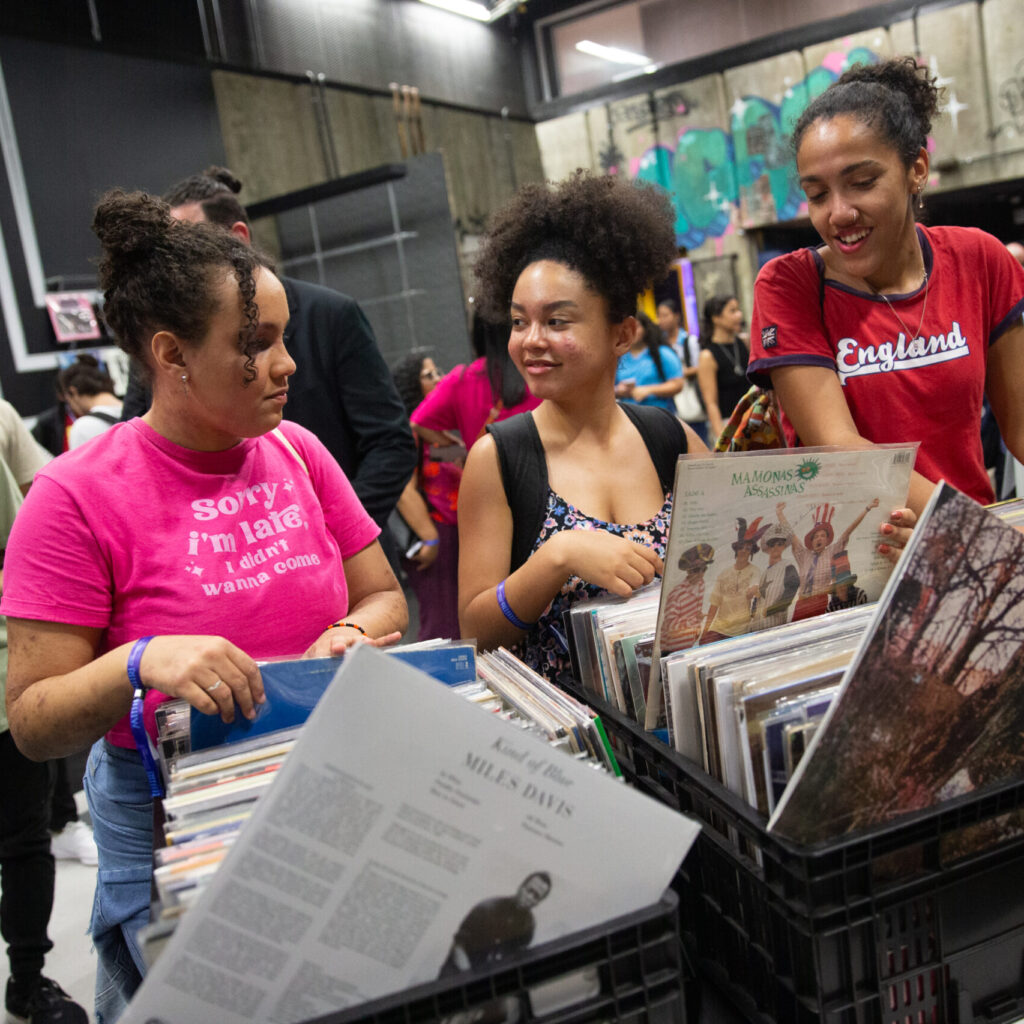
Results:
892 309
737 367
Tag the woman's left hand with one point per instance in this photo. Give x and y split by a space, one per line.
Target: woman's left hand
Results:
895 533
333 643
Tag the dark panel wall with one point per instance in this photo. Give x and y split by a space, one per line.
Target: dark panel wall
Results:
85 121
370 43
408 286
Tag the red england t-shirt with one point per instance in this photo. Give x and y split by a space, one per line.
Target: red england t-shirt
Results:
929 389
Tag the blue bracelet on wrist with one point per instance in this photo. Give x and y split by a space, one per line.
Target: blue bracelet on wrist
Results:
507 611
134 660
136 718
431 543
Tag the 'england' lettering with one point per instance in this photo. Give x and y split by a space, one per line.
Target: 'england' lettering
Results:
854 359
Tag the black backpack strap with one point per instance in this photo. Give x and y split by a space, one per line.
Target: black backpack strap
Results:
105 416
664 437
524 472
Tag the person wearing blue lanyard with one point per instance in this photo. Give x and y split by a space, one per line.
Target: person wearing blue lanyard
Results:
166 556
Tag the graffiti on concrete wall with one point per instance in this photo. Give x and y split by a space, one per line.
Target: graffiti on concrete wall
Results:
1011 103
741 177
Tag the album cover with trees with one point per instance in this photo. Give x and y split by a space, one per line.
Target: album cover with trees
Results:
932 706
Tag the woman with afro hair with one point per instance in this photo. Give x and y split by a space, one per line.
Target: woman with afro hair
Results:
573 499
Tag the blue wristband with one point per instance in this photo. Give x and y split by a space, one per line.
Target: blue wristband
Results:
134 659
136 719
507 611
431 543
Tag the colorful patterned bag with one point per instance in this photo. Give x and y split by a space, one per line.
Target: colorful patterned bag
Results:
754 424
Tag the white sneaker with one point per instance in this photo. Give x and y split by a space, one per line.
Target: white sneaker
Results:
74 842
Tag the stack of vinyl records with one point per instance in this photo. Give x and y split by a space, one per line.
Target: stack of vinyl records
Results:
215 773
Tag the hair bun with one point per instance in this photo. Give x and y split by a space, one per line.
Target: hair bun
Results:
225 177
130 224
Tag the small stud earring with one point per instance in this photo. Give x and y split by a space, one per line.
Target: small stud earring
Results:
184 383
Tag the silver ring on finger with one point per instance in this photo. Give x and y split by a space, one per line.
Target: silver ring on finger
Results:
210 689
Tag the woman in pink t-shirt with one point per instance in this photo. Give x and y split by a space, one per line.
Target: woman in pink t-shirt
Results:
175 550
471 397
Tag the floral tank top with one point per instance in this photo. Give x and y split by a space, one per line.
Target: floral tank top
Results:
543 648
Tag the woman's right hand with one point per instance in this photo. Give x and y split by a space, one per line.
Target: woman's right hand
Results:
426 555
610 562
209 672
895 533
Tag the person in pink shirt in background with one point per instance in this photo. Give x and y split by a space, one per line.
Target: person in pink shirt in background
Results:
471 397
429 505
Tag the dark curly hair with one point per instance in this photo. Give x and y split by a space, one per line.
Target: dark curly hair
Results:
214 190
407 378
158 273
896 98
86 376
618 236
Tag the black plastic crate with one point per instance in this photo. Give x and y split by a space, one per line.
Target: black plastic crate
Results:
916 922
627 969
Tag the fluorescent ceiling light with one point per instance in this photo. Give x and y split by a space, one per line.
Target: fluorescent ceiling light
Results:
467 8
633 72
612 53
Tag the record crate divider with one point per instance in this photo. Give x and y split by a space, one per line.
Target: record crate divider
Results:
637 959
886 926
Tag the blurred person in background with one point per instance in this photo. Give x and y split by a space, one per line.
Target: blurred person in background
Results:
471 397
689 404
428 505
722 369
650 373
88 391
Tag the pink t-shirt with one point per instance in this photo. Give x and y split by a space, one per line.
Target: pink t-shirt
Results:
462 401
137 536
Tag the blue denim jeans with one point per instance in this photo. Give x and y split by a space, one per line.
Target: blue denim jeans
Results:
122 819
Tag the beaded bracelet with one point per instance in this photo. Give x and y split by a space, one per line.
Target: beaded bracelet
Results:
507 611
351 625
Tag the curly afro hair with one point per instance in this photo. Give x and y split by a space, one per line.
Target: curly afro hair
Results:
158 273
896 98
618 236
